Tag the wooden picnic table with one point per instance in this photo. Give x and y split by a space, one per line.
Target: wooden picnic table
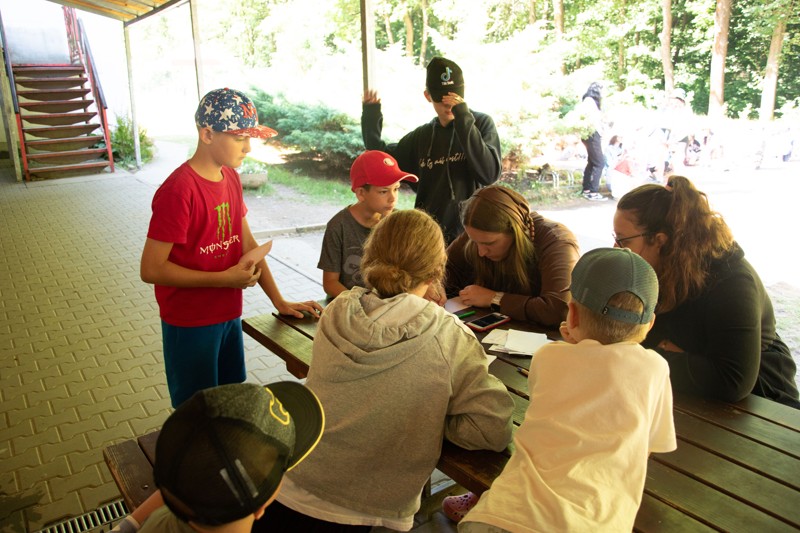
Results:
737 466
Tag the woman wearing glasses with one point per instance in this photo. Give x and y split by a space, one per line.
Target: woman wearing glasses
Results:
511 259
714 321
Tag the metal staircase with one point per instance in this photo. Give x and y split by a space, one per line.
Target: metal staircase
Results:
61 113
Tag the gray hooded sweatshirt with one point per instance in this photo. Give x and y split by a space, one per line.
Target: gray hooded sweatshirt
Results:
395 377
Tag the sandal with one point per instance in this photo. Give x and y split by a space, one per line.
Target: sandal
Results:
455 507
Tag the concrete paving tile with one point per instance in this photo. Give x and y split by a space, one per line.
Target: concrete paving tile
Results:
30 476
116 417
51 512
11 404
43 345
77 388
55 360
94 423
12 391
143 426
64 448
61 486
94 497
159 407
35 397
28 458
19 416
23 429
139 384
99 374
80 460
95 409
98 338
63 380
144 390
115 376
121 390
101 439
36 374
73 401
58 419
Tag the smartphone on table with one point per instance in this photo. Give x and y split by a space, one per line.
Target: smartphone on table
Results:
487 322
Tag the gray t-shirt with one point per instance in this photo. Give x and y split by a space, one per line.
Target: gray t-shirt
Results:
342 247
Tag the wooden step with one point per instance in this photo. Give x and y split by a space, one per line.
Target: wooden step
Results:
47 71
61 132
61 145
64 158
51 83
63 106
53 96
68 171
58 119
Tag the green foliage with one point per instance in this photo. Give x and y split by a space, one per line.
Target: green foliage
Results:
122 144
317 131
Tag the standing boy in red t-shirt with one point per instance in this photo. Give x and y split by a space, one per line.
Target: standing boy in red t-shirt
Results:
193 254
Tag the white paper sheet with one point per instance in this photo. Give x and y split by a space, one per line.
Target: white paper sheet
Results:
525 341
454 305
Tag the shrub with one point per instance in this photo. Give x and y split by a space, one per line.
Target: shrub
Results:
319 132
122 144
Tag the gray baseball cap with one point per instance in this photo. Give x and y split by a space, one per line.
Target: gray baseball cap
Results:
601 273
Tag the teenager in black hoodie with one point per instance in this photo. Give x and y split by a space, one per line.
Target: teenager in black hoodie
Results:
454 154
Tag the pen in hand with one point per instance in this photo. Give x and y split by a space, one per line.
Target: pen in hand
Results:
465 314
522 371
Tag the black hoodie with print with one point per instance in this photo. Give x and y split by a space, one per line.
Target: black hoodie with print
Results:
451 162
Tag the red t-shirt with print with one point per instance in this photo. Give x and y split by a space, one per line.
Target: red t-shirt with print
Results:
203 221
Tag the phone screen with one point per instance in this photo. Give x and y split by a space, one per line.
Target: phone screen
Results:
488 320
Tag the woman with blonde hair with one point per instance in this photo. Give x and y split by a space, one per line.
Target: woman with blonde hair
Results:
511 258
715 324
396 374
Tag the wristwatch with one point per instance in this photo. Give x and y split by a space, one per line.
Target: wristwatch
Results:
496 300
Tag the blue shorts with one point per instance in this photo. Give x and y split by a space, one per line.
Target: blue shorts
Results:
202 357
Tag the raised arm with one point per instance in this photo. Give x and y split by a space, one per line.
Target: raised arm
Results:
481 144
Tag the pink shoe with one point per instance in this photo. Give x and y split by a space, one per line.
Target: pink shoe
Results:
455 507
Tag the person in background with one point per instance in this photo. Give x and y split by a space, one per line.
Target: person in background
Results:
396 374
194 251
453 155
375 179
600 404
716 325
590 106
511 259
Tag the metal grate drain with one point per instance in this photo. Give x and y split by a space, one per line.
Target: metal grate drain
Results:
92 521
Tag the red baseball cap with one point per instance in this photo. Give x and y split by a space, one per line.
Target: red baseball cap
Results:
377 168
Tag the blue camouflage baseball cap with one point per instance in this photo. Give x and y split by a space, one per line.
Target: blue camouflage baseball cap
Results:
230 111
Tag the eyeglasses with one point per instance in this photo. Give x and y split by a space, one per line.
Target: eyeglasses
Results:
620 240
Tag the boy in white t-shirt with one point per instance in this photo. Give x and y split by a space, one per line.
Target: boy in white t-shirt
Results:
599 405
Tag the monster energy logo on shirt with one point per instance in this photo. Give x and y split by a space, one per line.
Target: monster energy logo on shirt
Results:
225 234
223 220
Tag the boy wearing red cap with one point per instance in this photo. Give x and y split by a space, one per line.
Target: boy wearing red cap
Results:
375 179
194 251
